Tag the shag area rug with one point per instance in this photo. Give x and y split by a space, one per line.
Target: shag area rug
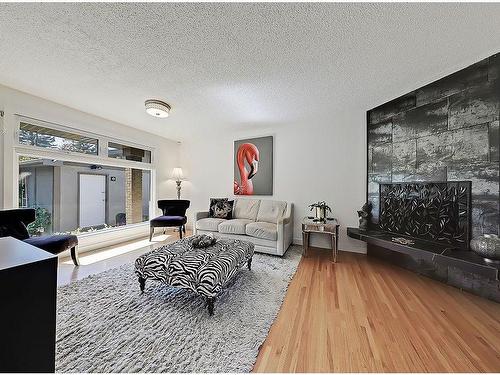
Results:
104 324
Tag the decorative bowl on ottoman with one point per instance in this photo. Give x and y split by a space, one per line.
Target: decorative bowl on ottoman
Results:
204 270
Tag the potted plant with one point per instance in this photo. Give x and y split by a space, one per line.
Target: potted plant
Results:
42 222
321 210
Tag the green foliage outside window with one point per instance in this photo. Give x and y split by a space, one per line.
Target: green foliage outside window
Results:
42 222
35 139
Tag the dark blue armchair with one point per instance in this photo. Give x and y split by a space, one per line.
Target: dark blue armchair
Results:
174 215
13 223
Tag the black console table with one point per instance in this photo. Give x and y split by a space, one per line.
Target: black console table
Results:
28 287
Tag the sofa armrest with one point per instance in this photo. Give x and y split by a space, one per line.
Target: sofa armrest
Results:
284 220
197 216
285 230
287 216
201 215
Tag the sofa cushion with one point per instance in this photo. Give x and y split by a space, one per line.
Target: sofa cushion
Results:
209 223
271 211
246 209
234 226
267 231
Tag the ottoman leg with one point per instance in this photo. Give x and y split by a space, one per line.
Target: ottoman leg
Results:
142 284
210 305
249 263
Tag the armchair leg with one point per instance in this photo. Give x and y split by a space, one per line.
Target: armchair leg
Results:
180 232
151 232
74 256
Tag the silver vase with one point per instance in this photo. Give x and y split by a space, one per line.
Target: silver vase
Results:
320 213
487 246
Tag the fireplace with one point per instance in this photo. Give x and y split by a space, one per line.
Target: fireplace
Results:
426 227
446 131
431 211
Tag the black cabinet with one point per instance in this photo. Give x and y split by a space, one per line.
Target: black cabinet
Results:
28 287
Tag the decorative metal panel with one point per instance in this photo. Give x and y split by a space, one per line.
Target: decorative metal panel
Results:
432 211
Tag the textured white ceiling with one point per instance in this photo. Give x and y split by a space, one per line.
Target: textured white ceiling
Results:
231 66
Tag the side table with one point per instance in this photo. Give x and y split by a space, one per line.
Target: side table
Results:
28 289
329 227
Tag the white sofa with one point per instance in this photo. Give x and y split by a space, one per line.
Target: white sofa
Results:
268 224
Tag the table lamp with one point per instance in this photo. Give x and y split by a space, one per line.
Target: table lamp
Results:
177 176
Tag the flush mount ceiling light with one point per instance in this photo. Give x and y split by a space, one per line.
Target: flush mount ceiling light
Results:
157 108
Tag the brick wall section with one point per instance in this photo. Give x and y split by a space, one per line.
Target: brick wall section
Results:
445 131
133 195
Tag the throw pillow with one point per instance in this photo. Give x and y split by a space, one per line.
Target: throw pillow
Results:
221 208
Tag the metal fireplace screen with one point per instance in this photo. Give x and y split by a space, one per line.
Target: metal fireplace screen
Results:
432 211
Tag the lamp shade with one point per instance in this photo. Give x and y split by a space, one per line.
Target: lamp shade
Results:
177 174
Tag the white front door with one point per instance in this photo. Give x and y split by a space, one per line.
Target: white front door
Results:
92 200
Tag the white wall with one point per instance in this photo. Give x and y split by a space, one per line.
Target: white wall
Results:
321 159
16 102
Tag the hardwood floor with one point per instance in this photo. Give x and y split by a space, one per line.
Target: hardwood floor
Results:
365 315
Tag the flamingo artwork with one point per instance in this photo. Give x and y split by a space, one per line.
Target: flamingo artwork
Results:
246 152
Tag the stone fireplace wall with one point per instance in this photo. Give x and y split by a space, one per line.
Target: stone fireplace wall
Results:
445 131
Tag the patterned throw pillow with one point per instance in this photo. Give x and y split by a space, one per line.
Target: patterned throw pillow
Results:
221 208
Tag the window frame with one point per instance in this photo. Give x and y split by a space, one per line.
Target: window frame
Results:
128 144
21 149
24 198
102 141
34 123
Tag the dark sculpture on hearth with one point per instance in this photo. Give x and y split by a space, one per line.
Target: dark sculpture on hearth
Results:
365 215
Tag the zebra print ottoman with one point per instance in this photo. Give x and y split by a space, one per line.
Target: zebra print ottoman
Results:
203 270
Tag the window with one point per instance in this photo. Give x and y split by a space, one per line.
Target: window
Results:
72 197
40 136
119 151
23 196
